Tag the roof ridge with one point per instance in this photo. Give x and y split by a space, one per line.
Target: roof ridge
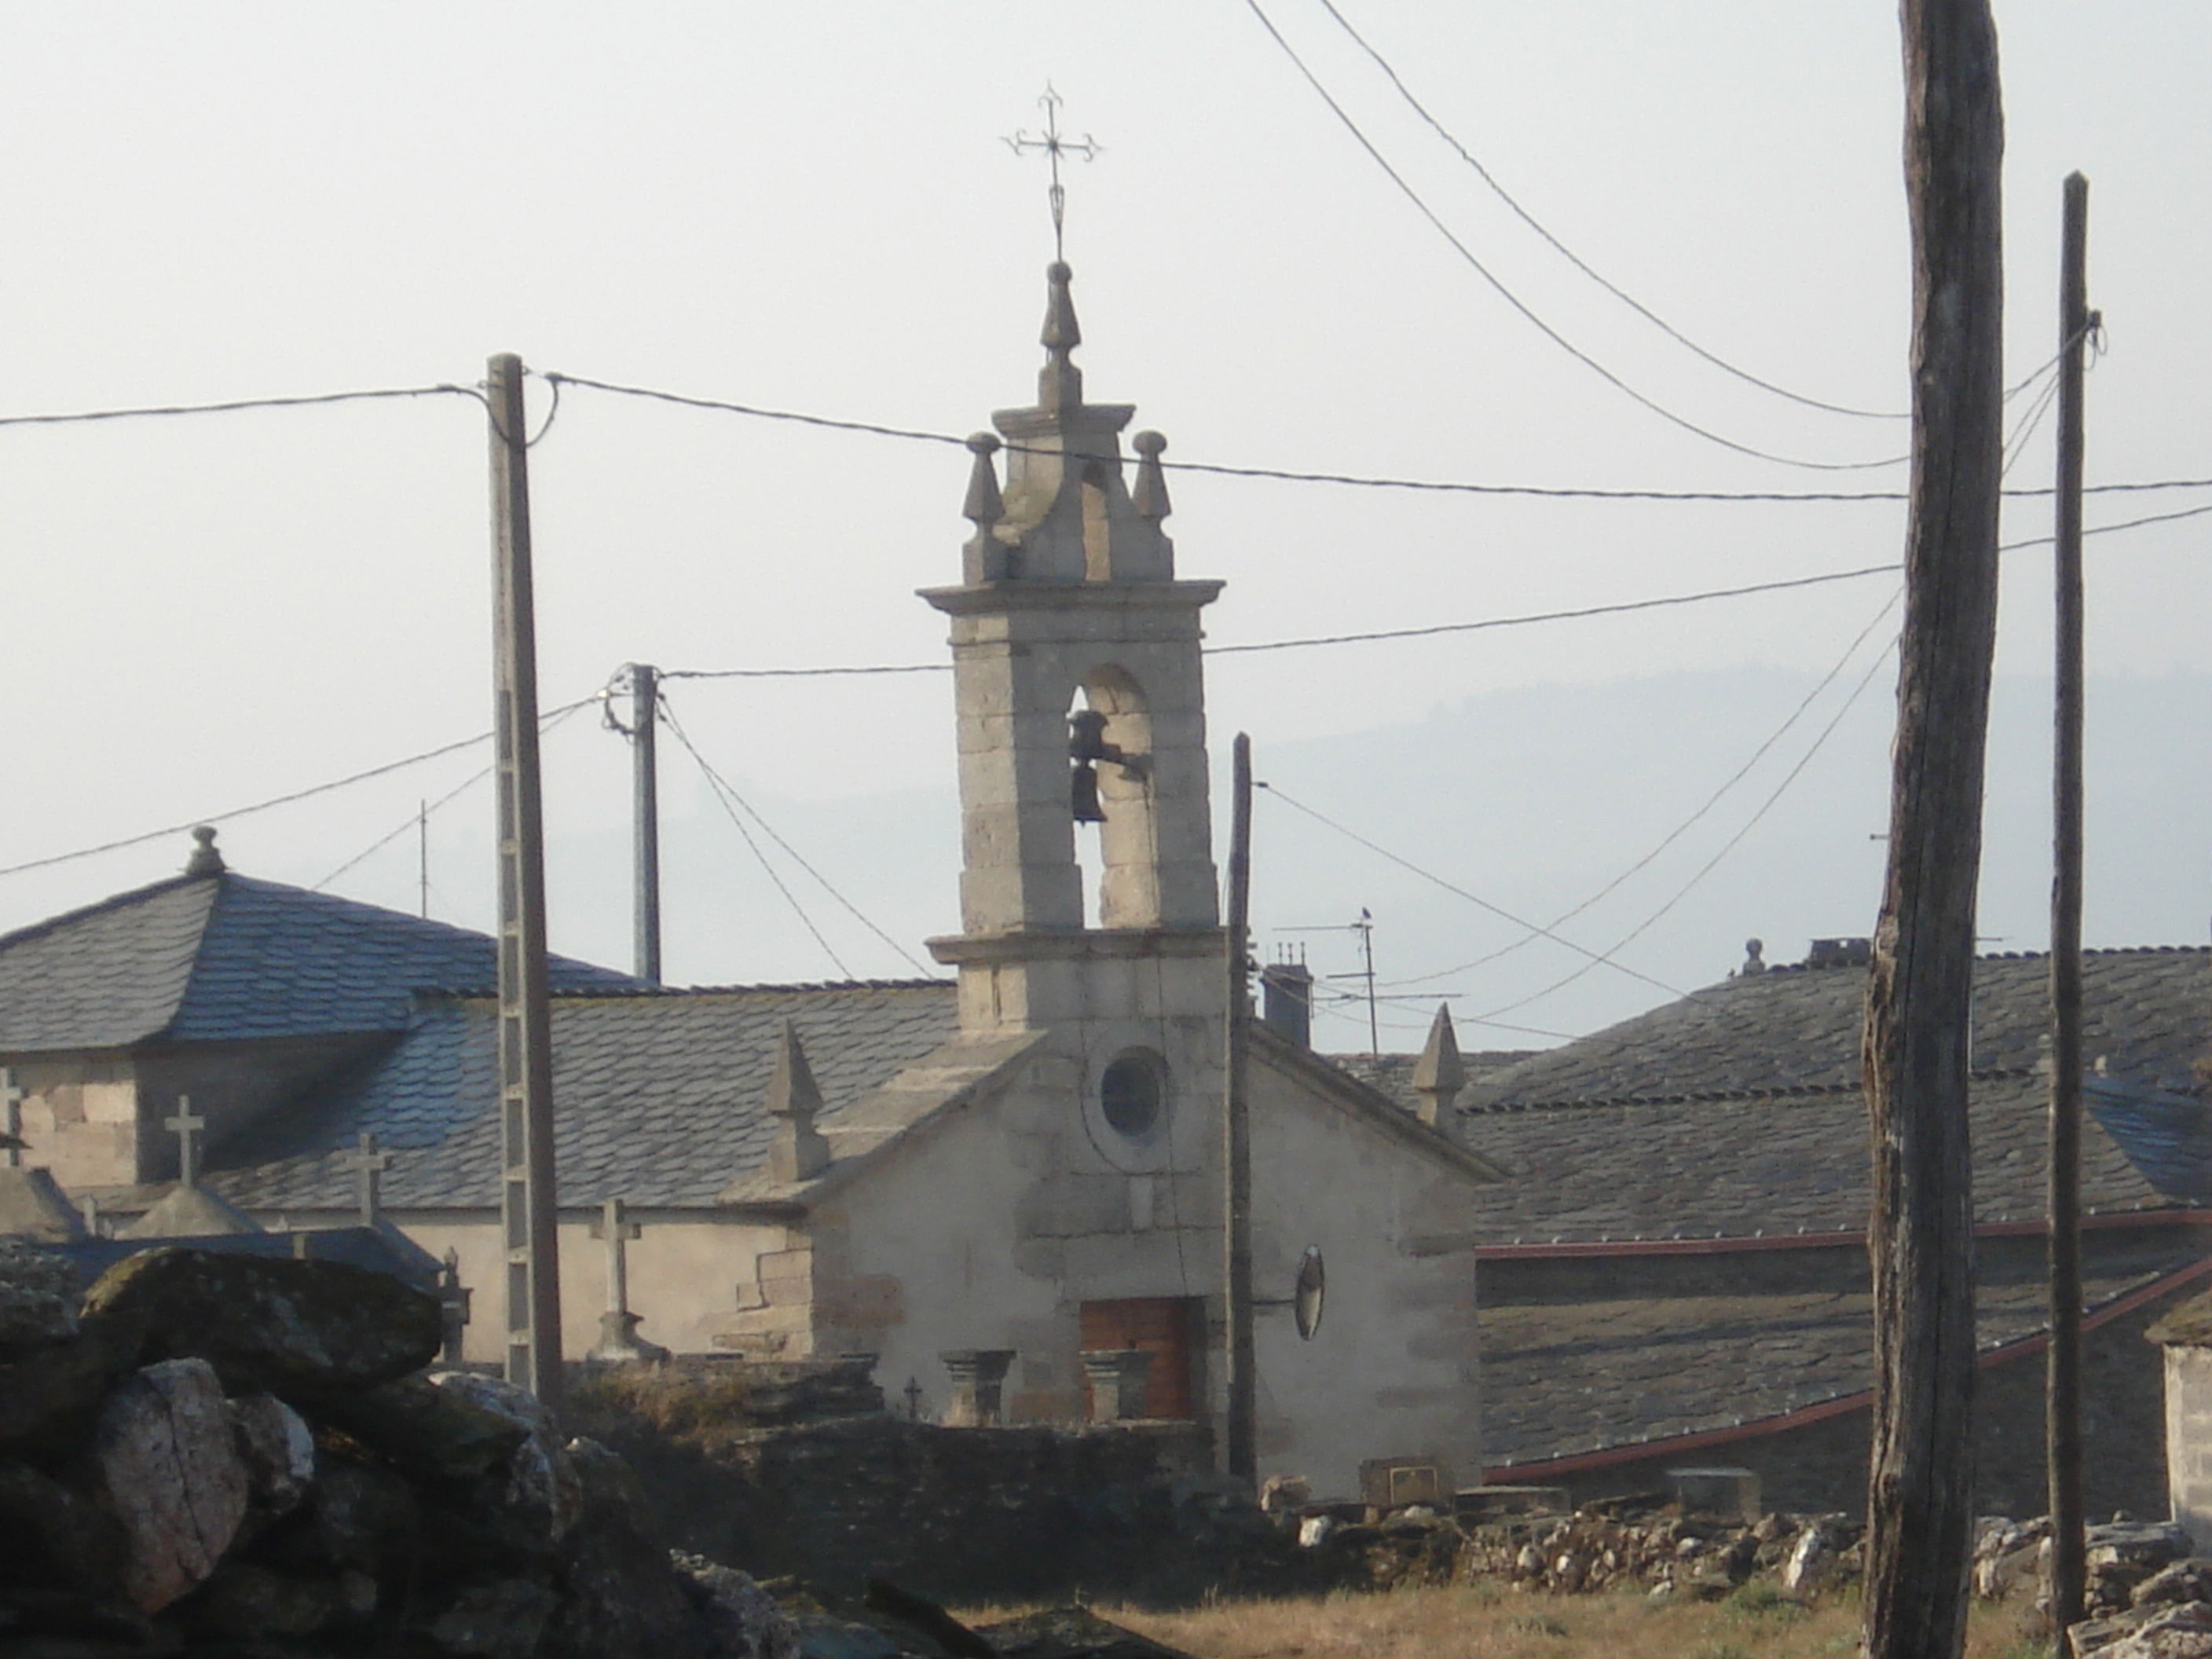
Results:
642 992
113 902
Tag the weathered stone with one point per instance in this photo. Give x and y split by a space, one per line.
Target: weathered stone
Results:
430 1432
620 1598
66 1624
357 1518
38 1298
542 1482
55 1534
279 1449
2182 1631
244 1599
49 1398
501 1620
168 1451
742 1621
2189 1580
302 1330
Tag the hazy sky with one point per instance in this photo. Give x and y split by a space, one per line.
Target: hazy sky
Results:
809 208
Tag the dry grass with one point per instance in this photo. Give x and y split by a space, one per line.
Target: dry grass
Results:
1484 1622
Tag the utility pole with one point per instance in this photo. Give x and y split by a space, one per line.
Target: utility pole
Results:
1920 1234
529 1215
645 771
2062 1395
1244 1457
422 852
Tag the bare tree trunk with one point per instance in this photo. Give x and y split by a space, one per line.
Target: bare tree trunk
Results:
1917 1041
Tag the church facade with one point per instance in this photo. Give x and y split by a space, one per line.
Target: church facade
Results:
992 1177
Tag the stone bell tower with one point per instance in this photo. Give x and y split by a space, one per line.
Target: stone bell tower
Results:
1081 711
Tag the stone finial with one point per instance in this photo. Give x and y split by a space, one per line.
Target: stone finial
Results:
1755 958
984 507
1439 1074
798 1152
205 860
1150 497
1060 382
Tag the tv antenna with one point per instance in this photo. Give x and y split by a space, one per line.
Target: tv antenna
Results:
1365 929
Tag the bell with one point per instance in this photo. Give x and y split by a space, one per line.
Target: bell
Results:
1084 795
1086 736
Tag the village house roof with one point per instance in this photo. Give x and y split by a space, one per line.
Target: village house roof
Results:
223 957
1737 1113
660 1097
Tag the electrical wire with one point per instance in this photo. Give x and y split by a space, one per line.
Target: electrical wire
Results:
1351 480
723 785
1682 828
1499 911
233 405
1729 846
546 724
285 799
1523 307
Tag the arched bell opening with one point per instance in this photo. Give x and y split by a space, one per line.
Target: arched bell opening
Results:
1113 745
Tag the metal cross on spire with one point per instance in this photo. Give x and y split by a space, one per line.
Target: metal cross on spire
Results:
1053 144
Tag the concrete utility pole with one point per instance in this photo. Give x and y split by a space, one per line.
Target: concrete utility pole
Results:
645 773
529 1217
1920 985
2063 1396
1242 1449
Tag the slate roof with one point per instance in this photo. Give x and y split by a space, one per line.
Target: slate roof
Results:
226 957
1738 1112
1564 1379
657 1095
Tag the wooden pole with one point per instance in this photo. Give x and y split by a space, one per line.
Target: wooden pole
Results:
528 1201
1920 1234
645 778
2062 1398
1243 1459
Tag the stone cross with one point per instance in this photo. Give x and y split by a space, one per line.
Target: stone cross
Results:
11 1119
368 1165
617 1230
452 1306
912 1393
88 1207
186 1127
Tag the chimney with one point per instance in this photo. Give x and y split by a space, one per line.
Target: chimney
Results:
1439 1074
1286 1000
798 1151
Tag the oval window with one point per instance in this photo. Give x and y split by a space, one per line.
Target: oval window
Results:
1132 1093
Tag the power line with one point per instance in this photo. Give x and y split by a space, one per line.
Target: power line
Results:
233 405
1576 259
1349 480
287 800
1430 876
1521 305
1682 828
546 723
1729 846
723 785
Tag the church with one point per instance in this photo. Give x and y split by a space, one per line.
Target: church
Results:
994 1184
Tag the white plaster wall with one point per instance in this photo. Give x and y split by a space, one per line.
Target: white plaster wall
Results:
1394 1369
2189 1440
684 1276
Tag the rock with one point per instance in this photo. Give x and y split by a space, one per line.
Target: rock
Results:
542 1482
356 1518
1810 1563
279 1448
2189 1580
302 1330
168 1451
620 1598
38 1298
48 1398
2182 1631
824 1636
1282 1493
499 1620
742 1620
244 1599
1072 1633
57 1536
433 1432
2141 1546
